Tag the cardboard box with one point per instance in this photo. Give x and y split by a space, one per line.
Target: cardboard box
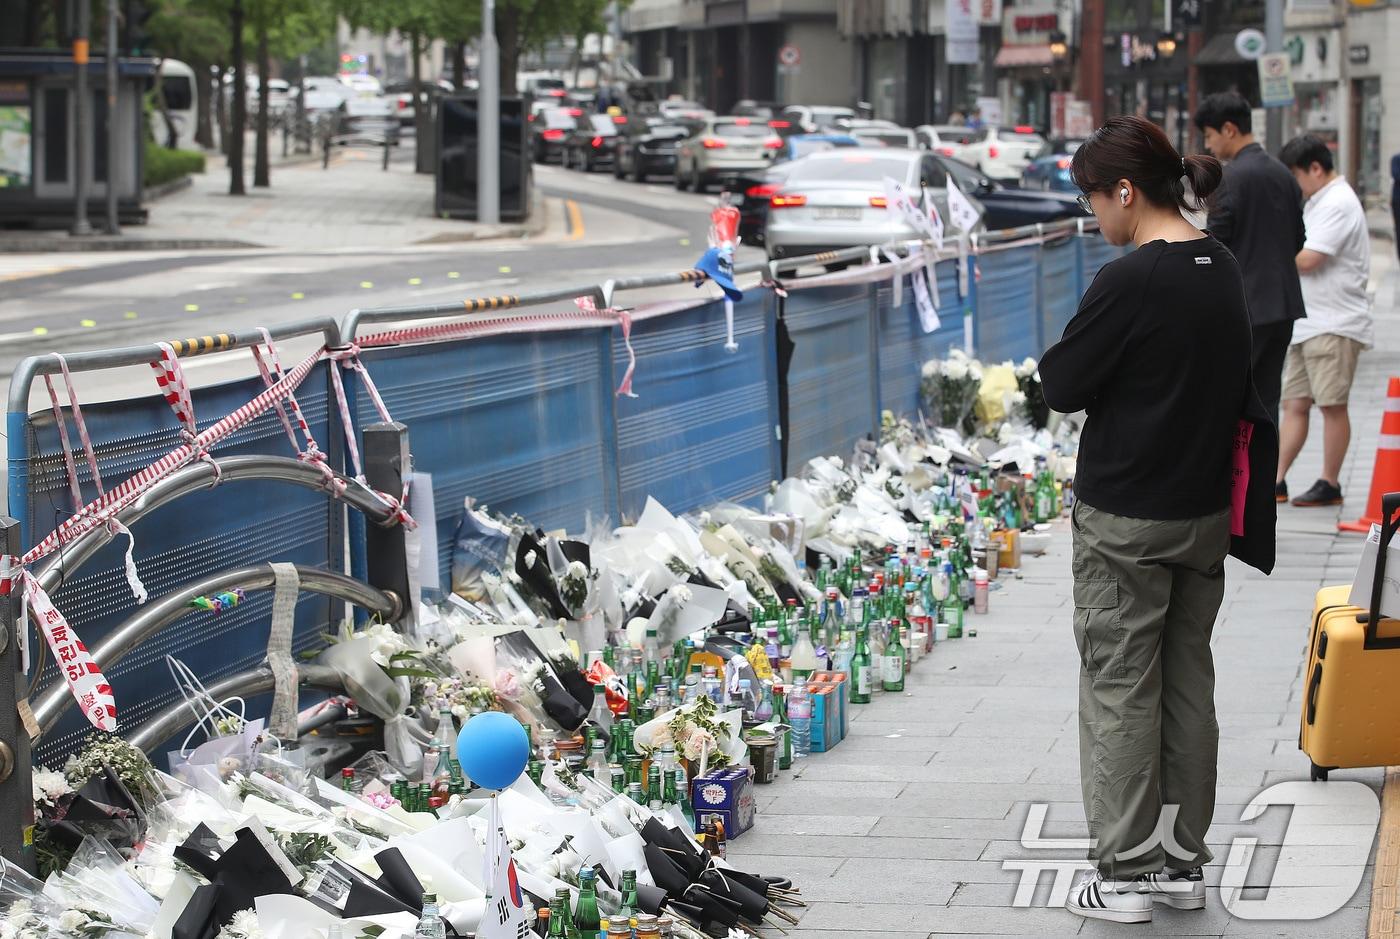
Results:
727 793
843 683
826 716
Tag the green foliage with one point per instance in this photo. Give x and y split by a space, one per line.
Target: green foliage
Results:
163 165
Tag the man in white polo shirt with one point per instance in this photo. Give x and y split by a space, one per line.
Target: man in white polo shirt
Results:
1334 267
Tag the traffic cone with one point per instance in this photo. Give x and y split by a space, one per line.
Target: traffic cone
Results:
1386 476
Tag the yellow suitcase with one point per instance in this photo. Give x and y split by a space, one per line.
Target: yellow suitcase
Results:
1351 704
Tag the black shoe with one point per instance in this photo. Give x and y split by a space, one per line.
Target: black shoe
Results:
1281 492
1321 493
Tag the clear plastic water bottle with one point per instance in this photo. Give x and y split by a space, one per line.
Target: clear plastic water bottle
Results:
799 712
430 925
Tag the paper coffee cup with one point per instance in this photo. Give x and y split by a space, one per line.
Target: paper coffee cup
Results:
940 632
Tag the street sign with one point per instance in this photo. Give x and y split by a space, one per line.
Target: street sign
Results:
1249 43
1359 55
789 55
1188 14
1275 80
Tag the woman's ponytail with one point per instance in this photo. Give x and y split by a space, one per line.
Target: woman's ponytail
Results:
1204 173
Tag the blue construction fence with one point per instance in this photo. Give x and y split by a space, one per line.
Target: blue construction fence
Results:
529 423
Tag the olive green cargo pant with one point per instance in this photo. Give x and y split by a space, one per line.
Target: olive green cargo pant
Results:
1146 594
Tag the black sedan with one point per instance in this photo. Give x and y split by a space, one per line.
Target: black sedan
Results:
648 148
549 129
1008 207
591 144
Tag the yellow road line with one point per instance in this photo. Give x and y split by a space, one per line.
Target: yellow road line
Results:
576 230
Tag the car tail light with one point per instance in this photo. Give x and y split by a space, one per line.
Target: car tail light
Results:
713 143
530 118
556 92
781 201
772 143
742 121
403 103
619 118
1063 163
879 202
761 191
993 152
1024 129
946 151
780 125
597 142
553 135
575 112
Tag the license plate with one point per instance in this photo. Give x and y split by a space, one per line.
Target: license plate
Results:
833 213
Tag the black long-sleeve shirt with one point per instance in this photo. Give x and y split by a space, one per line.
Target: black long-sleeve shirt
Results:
1158 356
1258 215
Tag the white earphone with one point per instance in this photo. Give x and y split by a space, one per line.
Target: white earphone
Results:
1123 195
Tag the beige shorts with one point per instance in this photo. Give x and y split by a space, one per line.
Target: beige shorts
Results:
1321 369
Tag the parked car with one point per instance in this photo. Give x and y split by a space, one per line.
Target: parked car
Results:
809 119
724 149
944 139
1008 207
648 147
1002 152
591 144
837 200
752 192
548 131
401 93
1050 170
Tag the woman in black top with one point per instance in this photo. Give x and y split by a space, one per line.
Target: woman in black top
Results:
1158 357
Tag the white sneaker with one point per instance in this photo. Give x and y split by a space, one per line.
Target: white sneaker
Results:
1182 889
1119 901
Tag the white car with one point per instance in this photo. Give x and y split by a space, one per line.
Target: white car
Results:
723 149
809 119
676 110
883 134
944 139
362 84
1003 152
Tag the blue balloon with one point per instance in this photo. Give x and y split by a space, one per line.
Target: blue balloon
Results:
493 749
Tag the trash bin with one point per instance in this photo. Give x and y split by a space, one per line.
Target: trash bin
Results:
458 140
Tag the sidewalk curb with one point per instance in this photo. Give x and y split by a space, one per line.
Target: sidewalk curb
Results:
1385 883
161 190
39 244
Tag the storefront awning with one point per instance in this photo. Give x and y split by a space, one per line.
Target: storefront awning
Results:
1024 56
1220 50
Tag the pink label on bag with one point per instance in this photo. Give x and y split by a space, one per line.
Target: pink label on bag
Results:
1239 476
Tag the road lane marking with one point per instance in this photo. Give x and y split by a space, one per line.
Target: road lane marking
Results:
576 229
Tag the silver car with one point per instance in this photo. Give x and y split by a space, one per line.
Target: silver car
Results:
723 149
836 200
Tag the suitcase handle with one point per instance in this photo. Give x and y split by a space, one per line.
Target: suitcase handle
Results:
1313 685
1390 504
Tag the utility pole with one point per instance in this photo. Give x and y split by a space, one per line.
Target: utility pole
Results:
488 118
113 121
1273 42
82 122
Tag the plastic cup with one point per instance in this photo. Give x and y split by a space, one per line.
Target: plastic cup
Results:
940 632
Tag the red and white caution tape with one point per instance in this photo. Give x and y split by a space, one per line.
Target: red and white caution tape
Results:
85 680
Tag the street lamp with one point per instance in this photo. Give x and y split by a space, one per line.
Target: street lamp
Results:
1059 46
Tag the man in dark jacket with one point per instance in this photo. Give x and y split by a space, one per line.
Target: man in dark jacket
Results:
1258 215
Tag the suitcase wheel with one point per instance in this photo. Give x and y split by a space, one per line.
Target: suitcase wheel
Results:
1319 773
